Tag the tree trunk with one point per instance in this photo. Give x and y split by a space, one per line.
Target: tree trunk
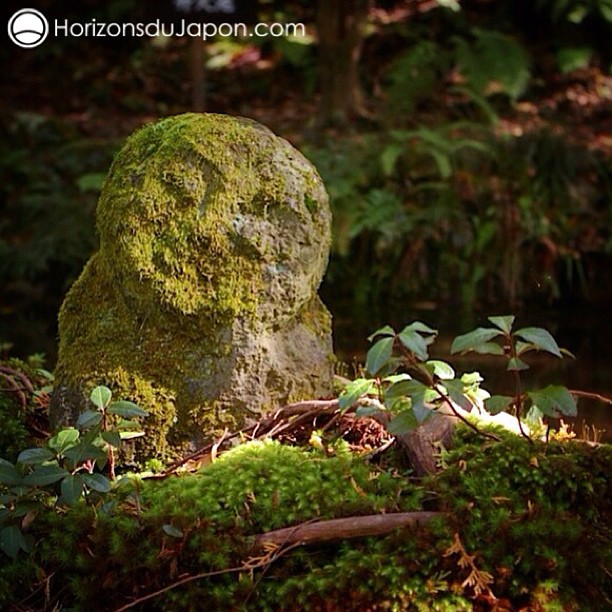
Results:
341 27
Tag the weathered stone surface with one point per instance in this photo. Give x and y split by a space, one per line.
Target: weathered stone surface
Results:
201 304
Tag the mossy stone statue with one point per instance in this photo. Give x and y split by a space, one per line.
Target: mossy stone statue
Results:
201 304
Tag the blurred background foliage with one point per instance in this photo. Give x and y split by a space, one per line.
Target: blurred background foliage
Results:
464 144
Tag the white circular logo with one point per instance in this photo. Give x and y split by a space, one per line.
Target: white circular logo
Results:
28 28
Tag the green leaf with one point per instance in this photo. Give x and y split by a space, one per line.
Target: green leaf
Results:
534 417
498 403
504 323
455 389
64 439
379 355
403 423
9 475
476 339
403 388
419 326
489 348
44 475
126 409
126 424
419 409
35 456
367 411
394 378
554 401
516 365
389 157
523 347
353 391
130 435
173 532
97 482
112 437
89 419
387 330
441 369
84 452
471 378
415 343
101 397
540 338
71 489
92 181
10 540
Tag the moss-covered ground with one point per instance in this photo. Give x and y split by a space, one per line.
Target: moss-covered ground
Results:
523 527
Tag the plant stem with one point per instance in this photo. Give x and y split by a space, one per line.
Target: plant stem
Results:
518 397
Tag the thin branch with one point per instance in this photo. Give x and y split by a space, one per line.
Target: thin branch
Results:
447 400
342 529
595 396
247 567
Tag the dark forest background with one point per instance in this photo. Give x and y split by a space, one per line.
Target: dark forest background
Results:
465 147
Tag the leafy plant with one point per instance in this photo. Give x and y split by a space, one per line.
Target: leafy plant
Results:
553 401
411 386
71 466
424 385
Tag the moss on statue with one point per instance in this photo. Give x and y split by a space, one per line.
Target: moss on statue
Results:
214 237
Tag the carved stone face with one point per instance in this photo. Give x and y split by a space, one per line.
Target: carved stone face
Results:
213 212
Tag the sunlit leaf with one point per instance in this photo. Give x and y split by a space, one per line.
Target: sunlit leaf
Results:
64 439
504 323
355 390
394 378
498 403
101 397
471 378
554 401
540 338
441 369
421 327
130 435
387 330
489 348
474 339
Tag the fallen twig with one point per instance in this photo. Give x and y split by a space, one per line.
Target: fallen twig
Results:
344 528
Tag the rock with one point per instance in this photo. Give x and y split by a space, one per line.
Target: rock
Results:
201 304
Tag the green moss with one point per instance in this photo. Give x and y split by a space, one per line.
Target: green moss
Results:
542 531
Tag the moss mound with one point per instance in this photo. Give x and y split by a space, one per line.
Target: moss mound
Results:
525 527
